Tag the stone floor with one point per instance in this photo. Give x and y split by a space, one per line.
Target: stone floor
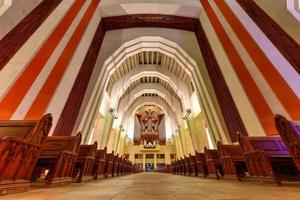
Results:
162 186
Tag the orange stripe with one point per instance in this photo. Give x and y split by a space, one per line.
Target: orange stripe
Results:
280 87
42 100
259 104
13 98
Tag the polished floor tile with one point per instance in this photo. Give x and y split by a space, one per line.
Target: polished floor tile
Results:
157 186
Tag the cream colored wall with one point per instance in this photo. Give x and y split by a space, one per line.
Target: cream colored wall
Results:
279 13
163 149
14 14
197 130
244 106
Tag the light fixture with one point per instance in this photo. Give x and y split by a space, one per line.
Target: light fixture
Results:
186 114
113 113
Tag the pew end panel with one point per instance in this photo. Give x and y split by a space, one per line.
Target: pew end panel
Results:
213 163
20 145
84 165
56 161
268 159
100 163
290 134
232 160
201 165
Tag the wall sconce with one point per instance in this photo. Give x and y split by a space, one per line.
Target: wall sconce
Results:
186 114
113 113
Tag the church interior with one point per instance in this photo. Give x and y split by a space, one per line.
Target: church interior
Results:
153 99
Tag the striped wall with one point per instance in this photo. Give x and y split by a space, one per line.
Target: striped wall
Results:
261 73
268 79
40 75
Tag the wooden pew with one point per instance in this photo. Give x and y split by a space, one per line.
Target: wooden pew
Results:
267 158
84 165
20 146
58 157
109 165
99 166
115 165
232 160
177 165
213 163
201 165
182 166
187 168
290 134
173 164
120 165
193 163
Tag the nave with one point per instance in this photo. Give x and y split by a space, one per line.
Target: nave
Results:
160 186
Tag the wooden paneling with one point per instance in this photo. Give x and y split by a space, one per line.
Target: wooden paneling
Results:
14 40
230 113
284 43
149 20
71 109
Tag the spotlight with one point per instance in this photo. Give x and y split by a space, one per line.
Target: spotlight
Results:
113 113
186 114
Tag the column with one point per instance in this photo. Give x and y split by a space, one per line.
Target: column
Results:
155 161
144 161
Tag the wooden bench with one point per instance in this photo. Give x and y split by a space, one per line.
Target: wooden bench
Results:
115 165
56 160
181 166
267 158
109 165
99 166
290 134
20 145
84 165
201 165
232 160
193 163
187 168
213 162
120 165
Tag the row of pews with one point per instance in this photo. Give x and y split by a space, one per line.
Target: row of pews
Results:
28 156
267 158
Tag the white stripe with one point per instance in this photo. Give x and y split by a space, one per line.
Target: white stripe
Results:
243 104
5 6
286 70
293 8
62 92
14 68
260 81
42 77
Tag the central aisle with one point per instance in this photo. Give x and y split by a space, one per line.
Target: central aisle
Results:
159 186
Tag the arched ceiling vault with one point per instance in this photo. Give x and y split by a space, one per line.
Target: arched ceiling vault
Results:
154 91
150 74
159 59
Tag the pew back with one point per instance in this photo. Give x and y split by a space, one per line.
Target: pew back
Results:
232 150
88 150
54 145
33 131
273 146
290 134
211 154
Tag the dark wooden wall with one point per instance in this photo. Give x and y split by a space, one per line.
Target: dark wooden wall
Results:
287 46
15 39
72 107
230 113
